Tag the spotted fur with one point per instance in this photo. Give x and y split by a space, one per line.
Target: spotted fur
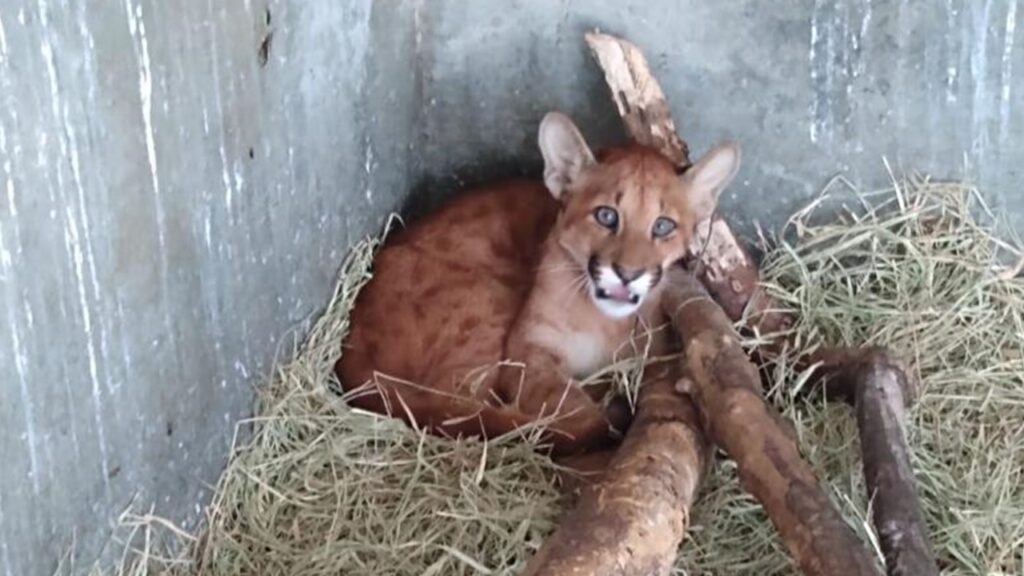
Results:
482 317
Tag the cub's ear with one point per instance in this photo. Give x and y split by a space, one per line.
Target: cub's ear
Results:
565 152
706 179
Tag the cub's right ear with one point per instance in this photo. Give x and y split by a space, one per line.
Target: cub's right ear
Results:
706 179
565 152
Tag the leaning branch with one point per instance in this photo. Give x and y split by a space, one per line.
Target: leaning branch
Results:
727 391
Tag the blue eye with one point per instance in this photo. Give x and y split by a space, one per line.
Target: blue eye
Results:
607 217
663 227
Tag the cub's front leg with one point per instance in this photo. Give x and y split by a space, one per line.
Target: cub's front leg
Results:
540 389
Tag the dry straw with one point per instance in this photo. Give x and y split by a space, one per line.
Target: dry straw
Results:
322 489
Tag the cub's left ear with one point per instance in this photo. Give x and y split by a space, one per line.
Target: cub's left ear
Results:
566 154
706 179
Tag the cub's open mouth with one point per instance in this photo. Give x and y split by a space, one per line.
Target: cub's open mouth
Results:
624 296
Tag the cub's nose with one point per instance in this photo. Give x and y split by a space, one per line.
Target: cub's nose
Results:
627 275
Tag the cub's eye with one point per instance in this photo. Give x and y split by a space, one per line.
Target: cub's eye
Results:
662 227
607 217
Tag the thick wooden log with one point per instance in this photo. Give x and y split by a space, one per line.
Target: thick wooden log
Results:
879 388
631 521
717 256
727 391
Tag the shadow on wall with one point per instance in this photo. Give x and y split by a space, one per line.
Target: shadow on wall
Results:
482 101
430 191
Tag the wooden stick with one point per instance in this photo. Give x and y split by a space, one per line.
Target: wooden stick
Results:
721 262
638 96
727 391
630 523
879 389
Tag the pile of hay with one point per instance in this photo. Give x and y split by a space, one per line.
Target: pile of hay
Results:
323 489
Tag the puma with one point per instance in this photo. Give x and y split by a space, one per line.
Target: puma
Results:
482 317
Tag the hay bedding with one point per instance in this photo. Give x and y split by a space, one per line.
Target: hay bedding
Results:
323 489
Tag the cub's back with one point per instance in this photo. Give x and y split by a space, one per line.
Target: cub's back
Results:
445 291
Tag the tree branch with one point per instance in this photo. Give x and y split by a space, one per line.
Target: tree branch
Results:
727 391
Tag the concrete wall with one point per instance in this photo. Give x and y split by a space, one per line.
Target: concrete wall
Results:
168 208
170 205
809 88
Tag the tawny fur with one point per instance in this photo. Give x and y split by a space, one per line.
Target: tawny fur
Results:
481 317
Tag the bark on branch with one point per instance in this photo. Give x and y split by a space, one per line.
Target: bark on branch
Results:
879 389
630 523
727 390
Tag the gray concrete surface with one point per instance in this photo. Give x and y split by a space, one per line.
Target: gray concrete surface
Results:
170 204
168 209
810 89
